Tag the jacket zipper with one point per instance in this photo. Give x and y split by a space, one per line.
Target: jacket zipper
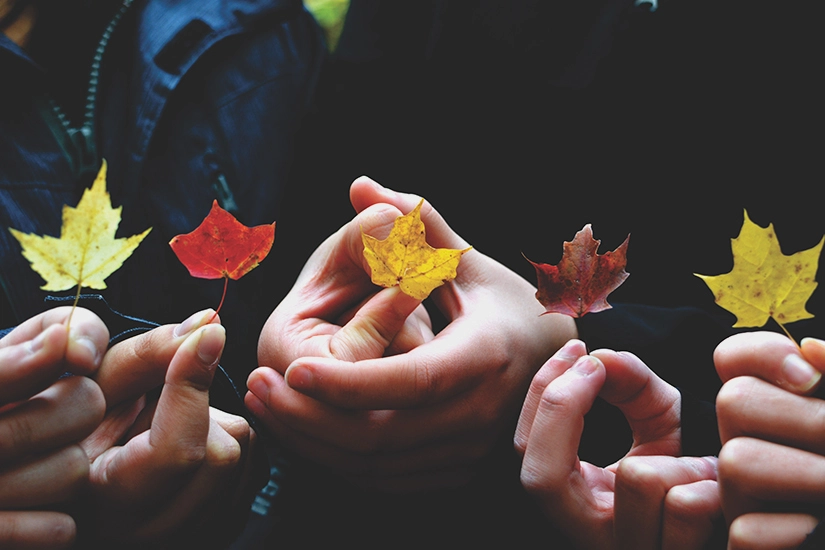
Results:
79 144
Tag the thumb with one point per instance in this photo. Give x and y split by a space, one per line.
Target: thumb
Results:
373 327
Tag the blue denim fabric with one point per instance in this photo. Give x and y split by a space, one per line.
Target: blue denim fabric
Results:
196 100
207 106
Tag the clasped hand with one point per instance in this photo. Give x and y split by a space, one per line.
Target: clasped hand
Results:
354 378
652 498
100 456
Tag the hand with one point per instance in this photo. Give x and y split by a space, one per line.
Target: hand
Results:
375 395
43 417
648 499
181 461
772 463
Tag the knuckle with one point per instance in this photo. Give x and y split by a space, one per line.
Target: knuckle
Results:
733 455
734 394
189 456
90 395
681 506
556 400
738 534
637 475
224 454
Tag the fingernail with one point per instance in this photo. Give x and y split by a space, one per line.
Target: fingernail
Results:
571 349
298 377
585 365
210 344
798 373
87 344
194 321
258 387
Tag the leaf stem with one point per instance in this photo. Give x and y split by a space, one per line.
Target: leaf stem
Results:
223 297
74 306
788 334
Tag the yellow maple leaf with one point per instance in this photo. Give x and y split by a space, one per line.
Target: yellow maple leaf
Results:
87 251
764 283
405 259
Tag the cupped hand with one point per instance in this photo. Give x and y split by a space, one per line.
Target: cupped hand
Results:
368 390
651 498
43 417
163 466
772 463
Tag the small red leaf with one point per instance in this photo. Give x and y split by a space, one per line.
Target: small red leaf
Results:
583 279
221 246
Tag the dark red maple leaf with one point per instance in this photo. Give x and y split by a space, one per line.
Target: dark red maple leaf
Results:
221 247
583 278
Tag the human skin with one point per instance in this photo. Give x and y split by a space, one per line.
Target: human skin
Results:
650 499
353 377
43 418
772 437
182 462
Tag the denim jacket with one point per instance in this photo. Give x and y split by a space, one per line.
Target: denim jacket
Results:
188 102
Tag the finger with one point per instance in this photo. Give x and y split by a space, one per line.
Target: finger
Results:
208 487
813 350
692 516
417 331
642 486
137 365
30 367
332 283
62 414
154 462
367 432
373 327
650 405
365 192
36 530
763 531
395 470
423 377
550 456
749 476
747 406
766 355
113 428
48 479
552 369
88 336
181 420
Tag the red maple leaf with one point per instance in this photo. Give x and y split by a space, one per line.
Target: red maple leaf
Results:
221 247
583 279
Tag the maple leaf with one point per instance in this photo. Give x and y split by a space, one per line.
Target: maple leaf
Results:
405 259
583 278
221 247
87 251
764 283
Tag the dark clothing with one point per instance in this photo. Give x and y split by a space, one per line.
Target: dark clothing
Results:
523 120
192 101
188 102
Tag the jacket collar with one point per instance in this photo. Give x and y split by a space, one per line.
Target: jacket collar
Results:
173 34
